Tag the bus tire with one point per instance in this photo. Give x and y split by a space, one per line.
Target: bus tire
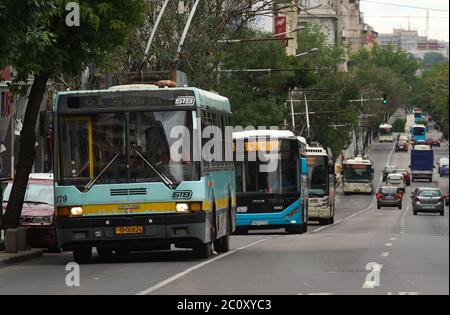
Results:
222 245
105 252
203 251
295 230
305 227
331 221
82 255
241 231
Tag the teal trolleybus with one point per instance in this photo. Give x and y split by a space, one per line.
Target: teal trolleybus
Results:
130 174
276 196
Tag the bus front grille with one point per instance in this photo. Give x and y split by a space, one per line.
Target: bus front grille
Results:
128 192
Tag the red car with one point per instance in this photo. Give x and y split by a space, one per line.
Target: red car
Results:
406 175
434 142
37 211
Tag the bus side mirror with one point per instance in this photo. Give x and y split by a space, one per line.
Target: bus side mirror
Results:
304 166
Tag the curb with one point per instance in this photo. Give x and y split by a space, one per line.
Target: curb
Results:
11 259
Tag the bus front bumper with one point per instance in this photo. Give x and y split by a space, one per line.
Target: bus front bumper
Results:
357 188
185 230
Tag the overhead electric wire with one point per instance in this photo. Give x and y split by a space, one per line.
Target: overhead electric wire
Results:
404 6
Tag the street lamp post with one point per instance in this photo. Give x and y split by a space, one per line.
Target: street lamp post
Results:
312 51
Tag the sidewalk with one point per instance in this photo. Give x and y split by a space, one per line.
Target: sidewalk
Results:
11 259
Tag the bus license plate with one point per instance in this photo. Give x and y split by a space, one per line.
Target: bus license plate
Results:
129 230
260 223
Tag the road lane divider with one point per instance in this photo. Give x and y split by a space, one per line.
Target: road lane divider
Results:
196 267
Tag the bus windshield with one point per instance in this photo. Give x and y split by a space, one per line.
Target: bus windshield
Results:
284 179
318 175
386 131
419 131
123 148
358 173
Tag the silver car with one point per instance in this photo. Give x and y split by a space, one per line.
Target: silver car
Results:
397 180
428 200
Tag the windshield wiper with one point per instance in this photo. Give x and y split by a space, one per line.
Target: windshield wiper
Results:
92 182
164 178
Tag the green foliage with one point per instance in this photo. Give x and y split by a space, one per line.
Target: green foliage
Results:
38 40
399 125
431 93
432 58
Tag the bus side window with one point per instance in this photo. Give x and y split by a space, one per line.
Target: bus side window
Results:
206 122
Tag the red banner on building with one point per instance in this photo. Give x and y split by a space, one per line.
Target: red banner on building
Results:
281 27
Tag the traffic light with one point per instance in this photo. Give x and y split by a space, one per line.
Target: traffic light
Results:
385 99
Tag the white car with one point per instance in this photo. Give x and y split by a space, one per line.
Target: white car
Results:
397 180
443 162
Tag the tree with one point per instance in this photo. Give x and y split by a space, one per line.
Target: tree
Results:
40 44
432 58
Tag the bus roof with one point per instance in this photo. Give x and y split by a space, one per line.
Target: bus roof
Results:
318 151
359 160
419 126
205 99
278 134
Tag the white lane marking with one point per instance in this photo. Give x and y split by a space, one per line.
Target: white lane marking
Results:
393 239
408 293
386 254
324 294
388 245
192 269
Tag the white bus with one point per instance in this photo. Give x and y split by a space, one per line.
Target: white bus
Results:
358 175
322 188
386 133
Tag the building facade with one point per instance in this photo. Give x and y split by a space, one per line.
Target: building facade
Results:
410 42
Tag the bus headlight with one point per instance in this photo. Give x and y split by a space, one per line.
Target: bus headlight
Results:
182 208
76 211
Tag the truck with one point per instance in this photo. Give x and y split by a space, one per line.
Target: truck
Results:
422 163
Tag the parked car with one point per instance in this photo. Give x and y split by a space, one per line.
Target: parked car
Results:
406 175
397 180
402 146
389 169
428 200
389 196
432 142
38 211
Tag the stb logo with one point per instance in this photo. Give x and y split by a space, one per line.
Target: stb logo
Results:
73 18
185 195
185 101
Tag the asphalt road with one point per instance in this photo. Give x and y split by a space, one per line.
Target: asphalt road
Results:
411 254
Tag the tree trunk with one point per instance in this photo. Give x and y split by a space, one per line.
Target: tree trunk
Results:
27 153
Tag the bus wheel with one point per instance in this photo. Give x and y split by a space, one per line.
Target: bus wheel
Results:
298 230
83 255
104 252
222 245
305 227
331 221
203 251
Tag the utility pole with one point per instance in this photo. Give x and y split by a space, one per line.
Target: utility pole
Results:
292 111
308 125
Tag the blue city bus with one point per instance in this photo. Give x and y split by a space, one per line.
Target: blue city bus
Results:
418 133
418 116
120 186
274 197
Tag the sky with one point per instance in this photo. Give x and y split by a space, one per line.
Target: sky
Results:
385 18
